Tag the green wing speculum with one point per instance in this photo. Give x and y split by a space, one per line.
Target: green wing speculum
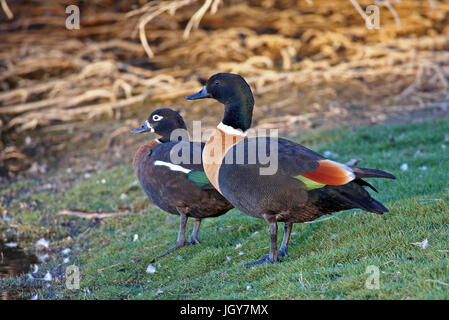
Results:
199 177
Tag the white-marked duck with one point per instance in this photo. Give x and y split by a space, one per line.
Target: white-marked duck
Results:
304 186
178 188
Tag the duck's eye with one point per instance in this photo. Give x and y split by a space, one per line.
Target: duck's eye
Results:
157 117
217 83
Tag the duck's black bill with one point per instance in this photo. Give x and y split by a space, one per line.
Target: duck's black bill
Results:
199 95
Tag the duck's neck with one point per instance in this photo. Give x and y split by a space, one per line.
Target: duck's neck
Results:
180 137
239 112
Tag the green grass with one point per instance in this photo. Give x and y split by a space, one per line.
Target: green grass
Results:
327 259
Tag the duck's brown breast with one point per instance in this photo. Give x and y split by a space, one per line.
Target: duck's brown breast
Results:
142 151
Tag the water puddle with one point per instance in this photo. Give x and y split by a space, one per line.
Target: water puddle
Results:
13 262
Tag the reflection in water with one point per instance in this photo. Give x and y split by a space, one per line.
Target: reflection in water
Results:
13 262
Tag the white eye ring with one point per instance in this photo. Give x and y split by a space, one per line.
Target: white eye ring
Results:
157 117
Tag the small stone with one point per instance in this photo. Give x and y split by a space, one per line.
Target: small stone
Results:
329 154
352 162
11 245
36 168
150 269
423 244
42 243
5 217
404 167
48 277
158 292
43 258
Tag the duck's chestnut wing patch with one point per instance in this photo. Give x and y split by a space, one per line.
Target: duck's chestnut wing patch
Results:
330 173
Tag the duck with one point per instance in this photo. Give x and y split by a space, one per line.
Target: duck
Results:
304 185
178 188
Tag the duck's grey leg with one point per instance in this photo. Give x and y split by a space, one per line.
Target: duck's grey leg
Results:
274 242
273 256
196 228
283 250
181 235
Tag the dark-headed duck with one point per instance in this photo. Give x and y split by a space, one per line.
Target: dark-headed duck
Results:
178 188
305 185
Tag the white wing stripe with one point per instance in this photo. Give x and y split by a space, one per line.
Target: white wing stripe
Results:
173 167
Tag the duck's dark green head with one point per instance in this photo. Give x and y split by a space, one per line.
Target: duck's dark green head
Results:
235 93
163 122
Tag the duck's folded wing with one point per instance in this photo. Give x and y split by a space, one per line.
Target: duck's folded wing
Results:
187 155
310 167
315 170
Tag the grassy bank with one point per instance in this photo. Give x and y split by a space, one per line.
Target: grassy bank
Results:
327 259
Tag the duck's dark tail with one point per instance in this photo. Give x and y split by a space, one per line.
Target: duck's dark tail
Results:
376 207
349 196
371 173
363 200
354 194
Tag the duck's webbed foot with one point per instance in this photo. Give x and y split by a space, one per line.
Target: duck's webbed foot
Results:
194 240
181 235
263 260
273 256
283 252
175 247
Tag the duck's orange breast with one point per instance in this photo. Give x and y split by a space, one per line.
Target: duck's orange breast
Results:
214 152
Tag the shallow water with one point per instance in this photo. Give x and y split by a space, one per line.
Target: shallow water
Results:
13 262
